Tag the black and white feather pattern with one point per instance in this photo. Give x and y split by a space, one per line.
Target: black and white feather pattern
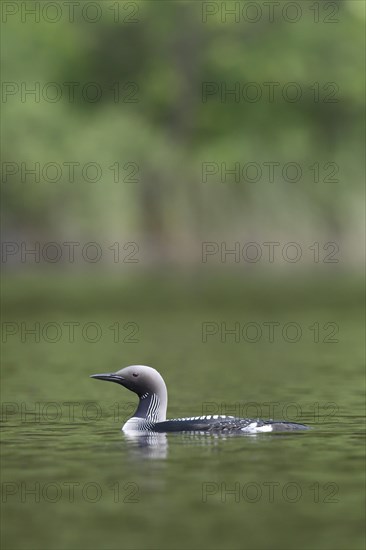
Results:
225 424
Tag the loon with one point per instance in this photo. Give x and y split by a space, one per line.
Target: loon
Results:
150 415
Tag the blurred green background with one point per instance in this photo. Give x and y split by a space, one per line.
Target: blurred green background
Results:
160 129
131 139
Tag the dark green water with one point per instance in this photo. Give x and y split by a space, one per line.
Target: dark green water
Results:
72 480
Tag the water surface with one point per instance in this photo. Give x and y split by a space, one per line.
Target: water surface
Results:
71 479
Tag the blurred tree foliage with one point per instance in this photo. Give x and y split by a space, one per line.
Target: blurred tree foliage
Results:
163 61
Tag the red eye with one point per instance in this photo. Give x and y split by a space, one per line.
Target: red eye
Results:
134 374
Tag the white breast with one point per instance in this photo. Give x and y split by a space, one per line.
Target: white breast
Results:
136 425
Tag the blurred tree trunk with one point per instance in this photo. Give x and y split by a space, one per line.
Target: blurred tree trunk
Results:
185 57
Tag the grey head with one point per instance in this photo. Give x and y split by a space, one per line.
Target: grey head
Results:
148 384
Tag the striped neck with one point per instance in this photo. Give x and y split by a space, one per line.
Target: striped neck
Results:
152 407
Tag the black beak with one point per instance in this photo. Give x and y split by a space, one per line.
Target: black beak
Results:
110 377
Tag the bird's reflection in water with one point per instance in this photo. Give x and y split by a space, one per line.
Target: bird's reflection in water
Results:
152 445
155 445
